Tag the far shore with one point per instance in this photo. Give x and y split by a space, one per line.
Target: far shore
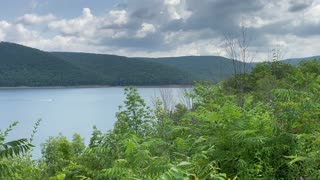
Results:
93 86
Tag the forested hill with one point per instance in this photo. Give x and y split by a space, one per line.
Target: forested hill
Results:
24 66
211 68
119 70
296 61
188 68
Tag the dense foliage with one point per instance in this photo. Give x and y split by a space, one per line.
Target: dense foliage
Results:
271 132
24 66
10 151
203 68
119 70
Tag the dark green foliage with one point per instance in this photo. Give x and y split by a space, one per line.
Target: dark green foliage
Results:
14 148
263 78
203 68
24 66
119 70
10 150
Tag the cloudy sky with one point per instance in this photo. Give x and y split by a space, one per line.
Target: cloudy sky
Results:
156 28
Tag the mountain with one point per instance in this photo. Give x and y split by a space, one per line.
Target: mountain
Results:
24 66
211 68
186 69
119 70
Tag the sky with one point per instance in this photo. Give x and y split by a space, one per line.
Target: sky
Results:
161 28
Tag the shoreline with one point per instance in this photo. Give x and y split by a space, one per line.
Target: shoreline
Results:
92 86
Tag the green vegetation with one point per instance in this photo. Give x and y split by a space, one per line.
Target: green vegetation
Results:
119 70
10 152
24 66
267 128
202 68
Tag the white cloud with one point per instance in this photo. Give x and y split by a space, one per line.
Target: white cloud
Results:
63 43
177 9
203 47
255 22
294 46
93 27
312 15
16 32
172 2
119 34
84 24
4 25
146 29
33 19
86 13
119 17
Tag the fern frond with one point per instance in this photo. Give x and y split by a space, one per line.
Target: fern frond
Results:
14 148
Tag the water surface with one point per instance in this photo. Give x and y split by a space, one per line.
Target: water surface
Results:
63 110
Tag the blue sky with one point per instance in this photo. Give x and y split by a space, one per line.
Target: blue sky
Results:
157 28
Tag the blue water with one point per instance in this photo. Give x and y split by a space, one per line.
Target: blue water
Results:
66 111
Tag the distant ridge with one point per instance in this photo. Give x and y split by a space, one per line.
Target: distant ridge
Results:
296 61
210 68
120 70
25 66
